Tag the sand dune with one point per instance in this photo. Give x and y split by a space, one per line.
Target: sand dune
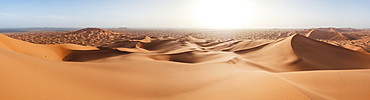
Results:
326 34
51 52
186 68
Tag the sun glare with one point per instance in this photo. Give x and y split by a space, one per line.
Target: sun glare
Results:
224 13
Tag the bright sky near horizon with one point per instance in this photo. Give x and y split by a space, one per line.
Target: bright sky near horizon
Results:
185 13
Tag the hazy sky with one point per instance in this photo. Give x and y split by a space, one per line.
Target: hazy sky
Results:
179 13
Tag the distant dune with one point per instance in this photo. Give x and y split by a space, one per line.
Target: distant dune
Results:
183 68
326 34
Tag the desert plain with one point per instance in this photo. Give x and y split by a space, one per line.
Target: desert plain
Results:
159 64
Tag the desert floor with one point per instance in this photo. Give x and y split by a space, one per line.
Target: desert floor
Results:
133 64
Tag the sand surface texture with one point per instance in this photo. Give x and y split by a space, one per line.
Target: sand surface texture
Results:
294 67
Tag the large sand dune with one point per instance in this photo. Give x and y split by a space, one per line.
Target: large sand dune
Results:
185 68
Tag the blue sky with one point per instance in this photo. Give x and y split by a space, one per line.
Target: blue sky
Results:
178 13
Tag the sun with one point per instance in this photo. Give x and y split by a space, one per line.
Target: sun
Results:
224 13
